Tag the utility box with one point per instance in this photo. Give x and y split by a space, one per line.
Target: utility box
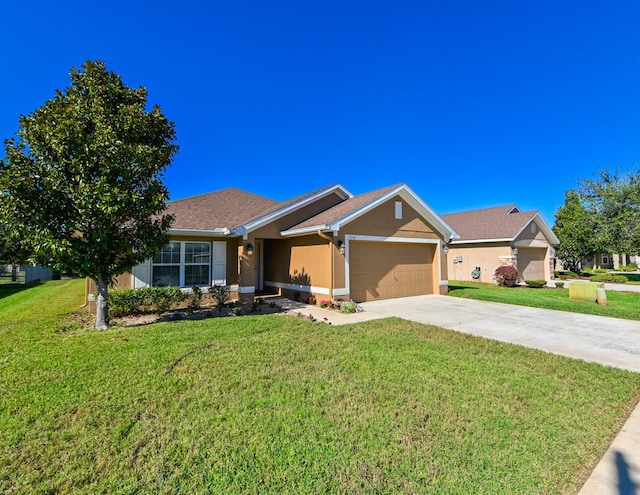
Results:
585 291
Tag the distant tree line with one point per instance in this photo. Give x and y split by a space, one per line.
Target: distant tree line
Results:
602 215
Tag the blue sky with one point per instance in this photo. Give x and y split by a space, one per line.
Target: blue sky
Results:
472 104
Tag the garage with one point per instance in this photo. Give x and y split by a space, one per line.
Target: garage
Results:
531 264
386 270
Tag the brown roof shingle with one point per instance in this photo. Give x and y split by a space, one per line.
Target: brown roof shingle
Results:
489 223
227 208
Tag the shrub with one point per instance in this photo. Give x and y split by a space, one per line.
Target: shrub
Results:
125 302
535 284
220 294
195 298
164 298
559 285
324 303
506 276
348 307
631 267
609 277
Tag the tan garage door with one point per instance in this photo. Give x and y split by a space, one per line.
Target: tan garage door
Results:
384 270
531 264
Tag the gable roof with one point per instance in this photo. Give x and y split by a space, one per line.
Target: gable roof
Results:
218 211
234 211
334 218
500 223
286 207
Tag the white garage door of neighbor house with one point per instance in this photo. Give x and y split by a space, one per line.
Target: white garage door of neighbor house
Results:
385 270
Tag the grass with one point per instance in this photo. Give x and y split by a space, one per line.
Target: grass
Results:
277 404
624 305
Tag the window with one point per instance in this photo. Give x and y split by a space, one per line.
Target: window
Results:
398 210
605 259
182 264
166 266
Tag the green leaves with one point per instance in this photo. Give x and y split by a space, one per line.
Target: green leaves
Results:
576 230
81 181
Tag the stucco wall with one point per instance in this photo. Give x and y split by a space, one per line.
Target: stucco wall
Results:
381 221
487 256
299 261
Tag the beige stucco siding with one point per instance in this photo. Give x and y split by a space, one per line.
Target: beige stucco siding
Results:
300 261
381 221
463 258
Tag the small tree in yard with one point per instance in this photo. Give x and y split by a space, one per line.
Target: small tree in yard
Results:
506 276
82 180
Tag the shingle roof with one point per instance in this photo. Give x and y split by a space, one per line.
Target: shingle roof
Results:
489 223
219 209
286 204
342 210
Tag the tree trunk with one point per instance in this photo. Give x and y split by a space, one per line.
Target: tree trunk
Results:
102 305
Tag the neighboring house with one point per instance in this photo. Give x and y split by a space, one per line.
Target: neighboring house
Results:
609 261
327 243
25 274
497 236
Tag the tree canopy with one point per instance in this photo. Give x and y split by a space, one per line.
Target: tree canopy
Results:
613 199
81 182
574 226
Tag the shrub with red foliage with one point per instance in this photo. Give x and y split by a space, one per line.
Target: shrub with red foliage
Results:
506 276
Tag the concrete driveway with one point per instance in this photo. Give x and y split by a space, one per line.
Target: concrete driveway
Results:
609 341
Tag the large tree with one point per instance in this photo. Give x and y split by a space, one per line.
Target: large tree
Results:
81 181
12 251
613 199
575 228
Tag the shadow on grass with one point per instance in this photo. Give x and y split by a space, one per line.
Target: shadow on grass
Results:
453 288
7 290
626 486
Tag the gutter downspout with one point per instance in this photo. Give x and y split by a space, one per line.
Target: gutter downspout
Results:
325 236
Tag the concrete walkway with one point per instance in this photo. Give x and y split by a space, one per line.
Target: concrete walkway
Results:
609 341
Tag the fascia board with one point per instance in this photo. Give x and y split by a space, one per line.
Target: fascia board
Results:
220 232
260 222
479 241
305 231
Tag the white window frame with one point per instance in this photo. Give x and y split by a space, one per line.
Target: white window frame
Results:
217 264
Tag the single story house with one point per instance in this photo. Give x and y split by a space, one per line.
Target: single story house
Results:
327 243
502 235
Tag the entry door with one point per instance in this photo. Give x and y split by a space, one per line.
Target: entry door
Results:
258 265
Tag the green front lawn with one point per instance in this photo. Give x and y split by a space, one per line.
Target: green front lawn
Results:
624 305
278 404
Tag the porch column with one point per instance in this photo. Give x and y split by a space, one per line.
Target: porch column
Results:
246 270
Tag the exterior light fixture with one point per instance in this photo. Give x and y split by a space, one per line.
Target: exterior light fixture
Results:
515 251
445 248
250 249
341 247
